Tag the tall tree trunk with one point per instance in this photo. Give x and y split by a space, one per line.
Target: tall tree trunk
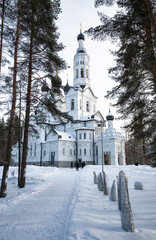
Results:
26 127
2 26
3 191
19 140
151 17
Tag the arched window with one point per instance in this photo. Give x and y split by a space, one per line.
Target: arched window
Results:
77 73
86 73
72 104
79 135
80 151
85 151
80 103
87 106
44 152
84 135
35 150
94 108
63 151
82 72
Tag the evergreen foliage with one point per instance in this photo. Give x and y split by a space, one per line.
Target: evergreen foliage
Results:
40 49
4 125
133 27
3 140
34 46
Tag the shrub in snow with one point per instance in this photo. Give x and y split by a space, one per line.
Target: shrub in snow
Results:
113 192
95 178
126 212
138 186
105 187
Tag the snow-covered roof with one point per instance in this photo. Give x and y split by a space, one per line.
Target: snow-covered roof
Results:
66 136
110 133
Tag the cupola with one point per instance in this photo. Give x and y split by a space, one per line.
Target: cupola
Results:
44 88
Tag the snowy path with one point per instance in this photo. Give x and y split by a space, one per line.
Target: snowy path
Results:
44 214
63 204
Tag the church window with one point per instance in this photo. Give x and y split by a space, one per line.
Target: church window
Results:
80 103
82 72
79 135
84 124
87 106
35 150
63 151
80 151
70 151
84 135
44 153
85 151
72 104
77 73
86 73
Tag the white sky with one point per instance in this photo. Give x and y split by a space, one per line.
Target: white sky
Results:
83 11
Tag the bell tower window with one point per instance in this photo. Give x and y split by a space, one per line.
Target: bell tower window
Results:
80 104
77 73
87 106
72 104
86 73
82 72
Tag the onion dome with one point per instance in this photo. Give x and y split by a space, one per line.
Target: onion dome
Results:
109 116
80 36
66 87
44 88
56 81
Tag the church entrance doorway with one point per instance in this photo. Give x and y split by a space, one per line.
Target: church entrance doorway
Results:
107 158
119 158
80 162
52 158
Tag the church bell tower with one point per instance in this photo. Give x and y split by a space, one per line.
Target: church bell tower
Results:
81 64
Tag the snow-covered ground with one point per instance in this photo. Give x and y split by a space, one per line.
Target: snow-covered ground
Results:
65 204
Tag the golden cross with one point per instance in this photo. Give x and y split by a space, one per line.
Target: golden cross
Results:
80 27
67 77
109 105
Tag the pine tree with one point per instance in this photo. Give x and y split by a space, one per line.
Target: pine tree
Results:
8 14
38 26
2 27
3 191
135 70
3 141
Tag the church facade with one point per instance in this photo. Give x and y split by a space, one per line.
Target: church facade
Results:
84 140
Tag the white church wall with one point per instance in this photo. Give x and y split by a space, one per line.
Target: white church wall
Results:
72 95
34 151
67 153
52 148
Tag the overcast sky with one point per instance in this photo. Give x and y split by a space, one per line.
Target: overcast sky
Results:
73 13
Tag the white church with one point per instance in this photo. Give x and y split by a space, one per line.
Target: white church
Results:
85 141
